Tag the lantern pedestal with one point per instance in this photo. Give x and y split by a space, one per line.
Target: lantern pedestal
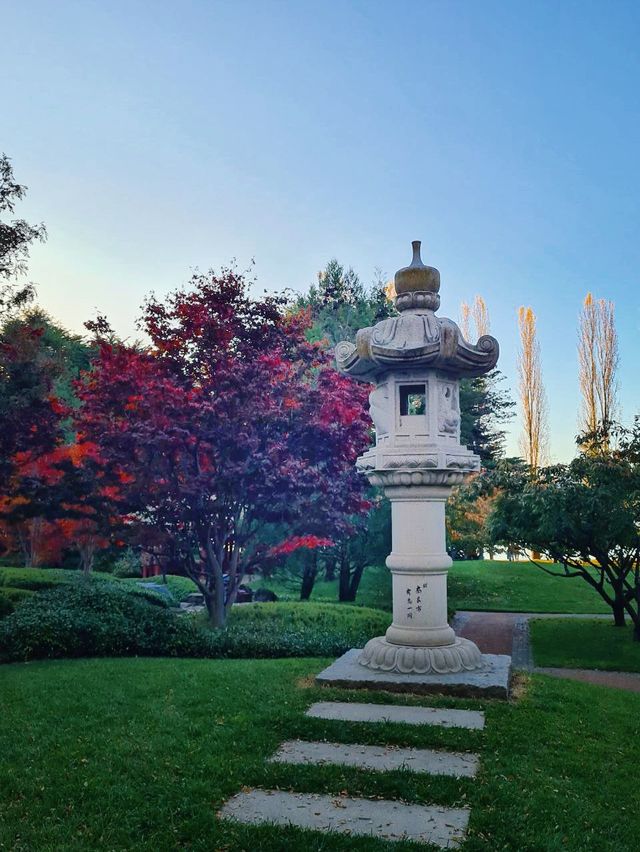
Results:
419 639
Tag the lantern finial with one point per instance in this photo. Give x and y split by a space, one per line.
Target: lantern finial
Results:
417 285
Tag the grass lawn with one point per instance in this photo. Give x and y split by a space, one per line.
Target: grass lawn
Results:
518 587
139 754
480 585
576 644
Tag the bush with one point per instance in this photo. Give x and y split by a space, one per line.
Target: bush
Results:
127 564
265 596
297 630
96 619
152 595
10 598
91 618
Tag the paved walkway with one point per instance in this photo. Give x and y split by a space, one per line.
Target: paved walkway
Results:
508 633
620 680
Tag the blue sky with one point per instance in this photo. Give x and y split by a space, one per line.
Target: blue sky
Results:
160 137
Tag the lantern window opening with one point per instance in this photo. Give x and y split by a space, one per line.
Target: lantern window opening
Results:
413 400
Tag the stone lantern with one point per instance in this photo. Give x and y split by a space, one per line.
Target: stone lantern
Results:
415 361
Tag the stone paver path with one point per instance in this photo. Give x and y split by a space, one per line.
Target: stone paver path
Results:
389 820
491 631
344 711
443 827
378 758
498 633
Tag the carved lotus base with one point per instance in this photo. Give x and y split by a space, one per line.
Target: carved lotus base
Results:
381 655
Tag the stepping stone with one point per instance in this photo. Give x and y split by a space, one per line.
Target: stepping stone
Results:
378 758
443 827
348 712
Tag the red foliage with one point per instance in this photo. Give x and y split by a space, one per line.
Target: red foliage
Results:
299 541
231 425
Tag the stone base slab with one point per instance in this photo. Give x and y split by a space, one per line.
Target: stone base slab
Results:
492 681
382 655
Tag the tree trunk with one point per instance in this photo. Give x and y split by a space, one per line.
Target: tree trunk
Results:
309 574
618 612
329 570
87 552
214 601
634 611
354 585
344 591
349 579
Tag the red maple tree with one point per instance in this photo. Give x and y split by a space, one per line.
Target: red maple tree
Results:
57 500
231 439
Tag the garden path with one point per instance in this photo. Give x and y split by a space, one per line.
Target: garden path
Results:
620 680
508 633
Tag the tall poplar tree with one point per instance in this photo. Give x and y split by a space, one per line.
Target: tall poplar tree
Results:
533 400
484 405
598 362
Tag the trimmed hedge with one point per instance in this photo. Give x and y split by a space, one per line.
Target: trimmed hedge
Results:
10 598
297 629
38 579
96 619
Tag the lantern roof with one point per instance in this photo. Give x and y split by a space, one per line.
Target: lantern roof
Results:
417 338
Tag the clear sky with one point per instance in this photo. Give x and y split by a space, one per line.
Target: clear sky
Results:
159 137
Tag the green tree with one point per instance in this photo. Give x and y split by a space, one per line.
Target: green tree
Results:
467 511
16 237
584 516
340 304
369 546
366 543
485 407
68 353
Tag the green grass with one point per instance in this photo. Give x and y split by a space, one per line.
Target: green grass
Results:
577 644
479 585
374 591
138 754
40 578
518 587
